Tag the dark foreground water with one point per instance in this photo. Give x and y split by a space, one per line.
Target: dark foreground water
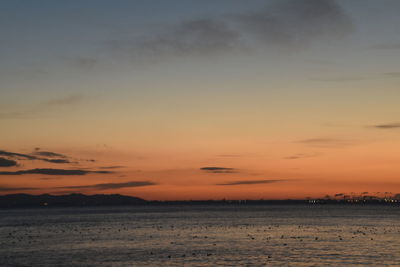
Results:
202 236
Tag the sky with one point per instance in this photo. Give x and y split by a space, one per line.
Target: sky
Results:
211 99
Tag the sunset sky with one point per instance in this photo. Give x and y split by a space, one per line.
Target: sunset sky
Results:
210 99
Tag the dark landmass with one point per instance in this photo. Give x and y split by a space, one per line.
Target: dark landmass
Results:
72 200
81 200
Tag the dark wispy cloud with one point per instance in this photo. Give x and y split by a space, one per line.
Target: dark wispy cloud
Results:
356 78
346 78
17 155
387 126
200 36
218 170
7 162
52 157
296 22
53 172
49 154
327 142
283 24
392 74
104 186
16 114
300 156
9 189
393 46
111 167
107 186
65 101
57 161
250 182
42 107
85 63
50 178
35 156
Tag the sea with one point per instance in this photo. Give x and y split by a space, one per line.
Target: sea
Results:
214 235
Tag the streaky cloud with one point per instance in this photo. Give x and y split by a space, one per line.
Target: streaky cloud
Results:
250 182
194 37
107 186
392 74
393 46
342 79
17 155
286 24
42 107
57 161
16 115
65 101
327 142
7 162
36 156
49 178
218 169
111 167
300 156
53 172
49 154
85 63
388 126
296 22
8 189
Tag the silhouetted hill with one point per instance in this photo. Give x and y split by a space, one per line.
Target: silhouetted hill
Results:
80 200
25 200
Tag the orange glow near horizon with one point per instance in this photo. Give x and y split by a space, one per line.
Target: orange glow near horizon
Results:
288 99
273 174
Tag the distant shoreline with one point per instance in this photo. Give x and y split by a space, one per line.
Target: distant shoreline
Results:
81 200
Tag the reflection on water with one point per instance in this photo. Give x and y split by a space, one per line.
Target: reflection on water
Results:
201 236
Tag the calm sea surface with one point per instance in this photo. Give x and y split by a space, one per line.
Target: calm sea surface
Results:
201 236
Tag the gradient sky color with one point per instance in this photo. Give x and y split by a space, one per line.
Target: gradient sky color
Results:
202 99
